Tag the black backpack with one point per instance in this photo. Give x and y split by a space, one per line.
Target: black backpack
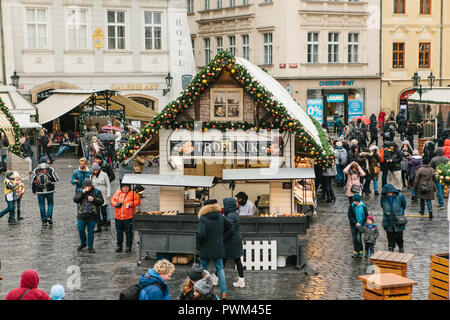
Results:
132 292
42 180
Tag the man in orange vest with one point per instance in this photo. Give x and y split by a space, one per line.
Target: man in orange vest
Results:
125 202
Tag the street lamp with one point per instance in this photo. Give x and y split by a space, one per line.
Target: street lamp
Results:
418 86
431 79
169 79
15 79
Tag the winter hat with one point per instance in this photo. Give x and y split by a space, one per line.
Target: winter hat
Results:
339 144
57 292
210 201
43 160
354 142
96 166
83 160
415 152
371 218
357 197
87 183
204 285
10 175
373 148
196 272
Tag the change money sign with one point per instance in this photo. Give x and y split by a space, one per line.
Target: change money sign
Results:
314 107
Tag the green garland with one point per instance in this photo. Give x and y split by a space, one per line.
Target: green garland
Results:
442 174
13 148
225 62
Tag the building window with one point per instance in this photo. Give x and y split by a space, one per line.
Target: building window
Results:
153 27
425 6
268 49
333 47
193 46
219 43
424 54
232 3
244 2
207 5
232 47
190 6
116 30
227 104
398 55
313 47
207 50
219 4
399 6
77 28
37 28
246 47
353 39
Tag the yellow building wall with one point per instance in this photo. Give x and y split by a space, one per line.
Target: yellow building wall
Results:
412 28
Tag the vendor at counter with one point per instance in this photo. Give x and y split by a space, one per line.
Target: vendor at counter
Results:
245 206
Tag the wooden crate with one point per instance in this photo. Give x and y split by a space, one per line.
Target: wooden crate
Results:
391 262
439 277
386 286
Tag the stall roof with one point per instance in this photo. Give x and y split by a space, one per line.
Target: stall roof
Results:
15 101
269 174
169 180
435 96
66 100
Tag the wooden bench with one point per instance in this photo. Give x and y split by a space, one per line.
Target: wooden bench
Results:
386 286
391 262
439 277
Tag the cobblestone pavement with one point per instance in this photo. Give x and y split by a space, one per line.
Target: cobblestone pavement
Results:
327 245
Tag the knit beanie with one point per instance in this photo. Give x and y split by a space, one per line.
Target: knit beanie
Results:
357 197
96 166
10 175
204 285
87 182
210 201
339 144
57 292
196 272
43 160
371 218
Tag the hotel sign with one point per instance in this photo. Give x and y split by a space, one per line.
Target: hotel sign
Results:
135 86
336 83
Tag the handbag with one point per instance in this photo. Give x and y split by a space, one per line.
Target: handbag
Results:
355 188
400 220
376 170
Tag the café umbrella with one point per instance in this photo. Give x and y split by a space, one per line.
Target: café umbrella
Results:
363 119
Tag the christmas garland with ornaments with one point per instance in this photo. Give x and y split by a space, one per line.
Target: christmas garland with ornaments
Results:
225 62
13 148
442 174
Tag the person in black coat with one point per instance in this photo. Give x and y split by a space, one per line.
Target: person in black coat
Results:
233 240
388 132
393 157
373 129
401 128
410 132
90 199
211 228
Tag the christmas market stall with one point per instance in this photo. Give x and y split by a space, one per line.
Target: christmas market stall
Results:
238 126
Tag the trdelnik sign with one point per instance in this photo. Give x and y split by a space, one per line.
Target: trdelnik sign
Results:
231 145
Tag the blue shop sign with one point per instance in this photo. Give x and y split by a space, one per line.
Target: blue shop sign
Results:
355 109
315 109
335 98
334 83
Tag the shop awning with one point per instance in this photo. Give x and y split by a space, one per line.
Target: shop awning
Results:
24 121
59 104
435 96
15 101
169 180
66 100
269 174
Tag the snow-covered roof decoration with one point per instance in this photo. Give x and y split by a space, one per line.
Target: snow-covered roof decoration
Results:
280 93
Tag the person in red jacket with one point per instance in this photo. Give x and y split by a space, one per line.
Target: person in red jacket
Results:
381 119
446 148
28 288
125 202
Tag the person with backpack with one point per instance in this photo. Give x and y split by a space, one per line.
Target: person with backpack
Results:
425 188
340 126
393 157
211 228
341 162
401 126
410 132
43 184
100 181
125 201
153 284
28 290
373 130
388 132
437 160
89 200
394 221
414 164
11 187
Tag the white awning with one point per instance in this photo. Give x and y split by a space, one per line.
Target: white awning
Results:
59 104
15 102
24 121
269 174
434 96
169 180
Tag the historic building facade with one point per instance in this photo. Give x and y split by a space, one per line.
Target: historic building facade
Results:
416 38
125 45
326 53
